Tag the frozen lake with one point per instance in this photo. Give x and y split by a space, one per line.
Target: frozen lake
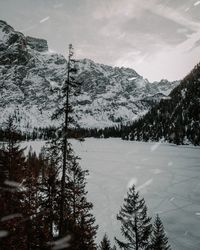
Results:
167 176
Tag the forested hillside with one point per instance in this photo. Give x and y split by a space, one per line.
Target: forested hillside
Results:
175 119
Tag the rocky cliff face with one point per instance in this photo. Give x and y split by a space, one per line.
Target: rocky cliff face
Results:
31 78
12 46
112 95
37 44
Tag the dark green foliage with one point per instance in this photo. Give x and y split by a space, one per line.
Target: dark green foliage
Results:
115 131
105 243
13 157
24 215
175 119
78 208
13 169
51 132
35 198
79 223
159 239
39 201
136 225
4 135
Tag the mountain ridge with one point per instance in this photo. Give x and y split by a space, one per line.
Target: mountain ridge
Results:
31 78
175 119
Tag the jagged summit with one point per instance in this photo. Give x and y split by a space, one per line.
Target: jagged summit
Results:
91 63
31 77
37 44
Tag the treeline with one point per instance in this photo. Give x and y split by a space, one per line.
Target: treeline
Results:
107 132
52 132
76 132
4 135
39 133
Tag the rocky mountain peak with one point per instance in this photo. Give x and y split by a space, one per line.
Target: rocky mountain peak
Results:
13 49
37 44
31 78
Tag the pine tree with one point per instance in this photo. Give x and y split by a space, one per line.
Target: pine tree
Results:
136 225
159 239
79 209
23 213
50 189
69 88
34 206
13 165
73 211
105 243
14 155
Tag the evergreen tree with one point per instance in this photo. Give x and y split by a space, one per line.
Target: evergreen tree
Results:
12 161
14 155
22 209
159 239
35 208
78 208
73 211
50 189
136 225
64 111
105 243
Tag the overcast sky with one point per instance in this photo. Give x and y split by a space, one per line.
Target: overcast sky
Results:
157 38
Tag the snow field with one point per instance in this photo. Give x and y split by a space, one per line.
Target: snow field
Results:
167 176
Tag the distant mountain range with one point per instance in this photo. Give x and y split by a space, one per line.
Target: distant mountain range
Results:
31 78
176 118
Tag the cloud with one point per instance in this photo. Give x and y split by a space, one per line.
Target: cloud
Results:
176 16
144 26
195 45
145 35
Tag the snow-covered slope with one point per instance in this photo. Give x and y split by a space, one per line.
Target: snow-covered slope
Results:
31 78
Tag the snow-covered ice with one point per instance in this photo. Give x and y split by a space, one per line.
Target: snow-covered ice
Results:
167 177
173 190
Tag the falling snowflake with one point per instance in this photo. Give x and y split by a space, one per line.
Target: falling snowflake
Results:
44 19
196 3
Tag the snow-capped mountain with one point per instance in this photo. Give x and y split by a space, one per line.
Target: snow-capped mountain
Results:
31 78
